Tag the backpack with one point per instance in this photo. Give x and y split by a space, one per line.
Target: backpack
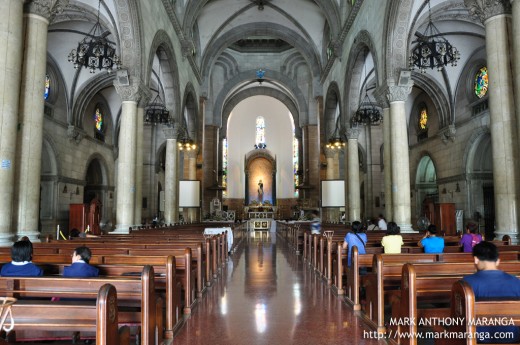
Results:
474 240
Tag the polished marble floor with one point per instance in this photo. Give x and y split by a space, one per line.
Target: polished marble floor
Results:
267 295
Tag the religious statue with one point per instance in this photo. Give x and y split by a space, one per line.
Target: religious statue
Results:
260 191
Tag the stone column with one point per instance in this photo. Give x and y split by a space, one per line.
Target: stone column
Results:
139 158
191 160
354 200
382 99
125 184
30 122
331 155
401 202
171 177
11 35
369 200
496 16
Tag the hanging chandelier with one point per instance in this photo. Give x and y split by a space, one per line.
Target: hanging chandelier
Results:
432 50
185 143
367 113
335 141
94 51
156 113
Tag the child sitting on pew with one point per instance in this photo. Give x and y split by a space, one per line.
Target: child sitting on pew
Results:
21 266
490 282
392 242
80 264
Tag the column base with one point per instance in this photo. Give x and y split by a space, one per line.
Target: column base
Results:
515 236
34 236
121 229
407 229
6 240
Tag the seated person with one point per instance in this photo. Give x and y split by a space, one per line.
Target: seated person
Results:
315 224
490 282
470 238
355 238
393 241
371 225
430 242
80 264
21 266
381 222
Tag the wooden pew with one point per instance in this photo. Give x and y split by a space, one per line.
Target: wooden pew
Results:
136 293
101 318
465 307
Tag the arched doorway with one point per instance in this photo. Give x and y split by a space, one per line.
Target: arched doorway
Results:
96 192
426 188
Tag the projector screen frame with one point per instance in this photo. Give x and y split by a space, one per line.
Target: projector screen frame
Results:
332 201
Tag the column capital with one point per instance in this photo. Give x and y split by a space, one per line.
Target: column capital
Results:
132 91
397 93
353 133
171 132
486 9
190 153
146 96
330 152
45 8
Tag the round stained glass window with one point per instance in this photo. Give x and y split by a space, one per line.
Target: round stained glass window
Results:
481 82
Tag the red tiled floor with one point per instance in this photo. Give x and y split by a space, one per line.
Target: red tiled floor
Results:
267 295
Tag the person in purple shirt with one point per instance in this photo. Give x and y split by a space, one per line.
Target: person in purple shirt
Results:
80 264
21 266
470 238
490 282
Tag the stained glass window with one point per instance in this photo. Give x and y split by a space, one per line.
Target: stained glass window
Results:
98 118
47 90
260 131
296 166
481 82
423 119
224 165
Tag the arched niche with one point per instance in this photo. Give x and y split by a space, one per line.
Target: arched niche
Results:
260 172
426 187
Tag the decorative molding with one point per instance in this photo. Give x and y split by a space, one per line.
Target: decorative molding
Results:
448 133
353 133
130 93
330 152
396 93
171 132
146 96
45 8
486 9
75 134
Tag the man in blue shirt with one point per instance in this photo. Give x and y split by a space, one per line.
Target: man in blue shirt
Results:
355 238
430 242
80 264
490 282
21 266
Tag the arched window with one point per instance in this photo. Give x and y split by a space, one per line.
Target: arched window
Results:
296 165
422 121
481 82
47 90
99 124
260 132
224 165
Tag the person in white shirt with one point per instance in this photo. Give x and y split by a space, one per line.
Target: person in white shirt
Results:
381 223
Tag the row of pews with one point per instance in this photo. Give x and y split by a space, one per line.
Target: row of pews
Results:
151 279
403 296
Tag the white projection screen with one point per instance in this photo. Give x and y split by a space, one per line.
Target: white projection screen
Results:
189 193
333 193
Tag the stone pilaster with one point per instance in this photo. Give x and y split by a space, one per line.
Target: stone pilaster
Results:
369 187
311 151
496 16
331 155
125 184
29 142
139 157
354 199
191 160
516 59
171 177
401 202
11 35
212 155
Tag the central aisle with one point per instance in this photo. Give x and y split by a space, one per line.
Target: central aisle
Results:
266 295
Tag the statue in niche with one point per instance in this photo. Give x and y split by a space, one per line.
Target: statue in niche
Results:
260 191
